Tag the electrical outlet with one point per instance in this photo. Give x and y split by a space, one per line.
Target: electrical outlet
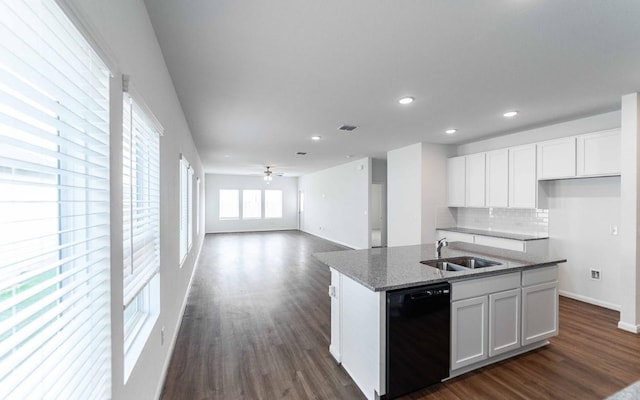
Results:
162 336
595 274
613 229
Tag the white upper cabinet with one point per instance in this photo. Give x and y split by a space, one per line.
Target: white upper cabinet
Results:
497 178
475 180
522 176
557 158
456 181
599 153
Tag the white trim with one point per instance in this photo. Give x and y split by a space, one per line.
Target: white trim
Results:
129 88
170 350
589 300
334 241
629 327
90 33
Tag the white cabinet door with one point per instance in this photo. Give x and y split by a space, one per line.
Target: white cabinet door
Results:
504 322
599 153
522 176
557 158
539 312
475 180
468 331
497 178
456 181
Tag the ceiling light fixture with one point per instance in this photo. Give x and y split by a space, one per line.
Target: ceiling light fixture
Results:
406 100
267 175
510 114
316 138
450 131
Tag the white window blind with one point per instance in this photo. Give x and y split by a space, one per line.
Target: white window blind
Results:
141 200
54 208
273 203
197 205
251 204
229 204
186 207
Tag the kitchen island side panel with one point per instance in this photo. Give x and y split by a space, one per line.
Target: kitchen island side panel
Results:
363 336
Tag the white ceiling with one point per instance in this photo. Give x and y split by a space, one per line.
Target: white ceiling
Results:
257 79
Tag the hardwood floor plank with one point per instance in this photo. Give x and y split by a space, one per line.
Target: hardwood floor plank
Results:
257 326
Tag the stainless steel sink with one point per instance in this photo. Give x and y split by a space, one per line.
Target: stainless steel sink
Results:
460 263
443 265
471 262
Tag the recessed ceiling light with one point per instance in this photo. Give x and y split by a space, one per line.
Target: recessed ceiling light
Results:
450 131
510 114
316 138
406 100
227 156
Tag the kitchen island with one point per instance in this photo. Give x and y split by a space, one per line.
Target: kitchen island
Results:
497 312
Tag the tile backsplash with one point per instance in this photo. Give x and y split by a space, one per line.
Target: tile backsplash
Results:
526 222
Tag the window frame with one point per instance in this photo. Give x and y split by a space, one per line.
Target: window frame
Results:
142 127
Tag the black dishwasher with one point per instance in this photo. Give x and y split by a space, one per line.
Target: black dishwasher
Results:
418 331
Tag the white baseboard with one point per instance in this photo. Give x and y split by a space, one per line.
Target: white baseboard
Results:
172 345
254 230
335 354
590 300
629 327
331 240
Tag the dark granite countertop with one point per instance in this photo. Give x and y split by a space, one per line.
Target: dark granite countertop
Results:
502 235
391 268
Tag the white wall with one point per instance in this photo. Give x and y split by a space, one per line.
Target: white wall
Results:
630 218
579 230
417 188
589 204
216 182
434 187
123 29
404 195
336 203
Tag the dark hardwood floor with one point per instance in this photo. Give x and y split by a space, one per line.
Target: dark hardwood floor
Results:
257 326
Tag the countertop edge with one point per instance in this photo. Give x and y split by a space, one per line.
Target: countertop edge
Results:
481 273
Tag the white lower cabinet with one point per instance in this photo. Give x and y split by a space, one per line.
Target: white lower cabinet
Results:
468 331
504 322
540 312
501 314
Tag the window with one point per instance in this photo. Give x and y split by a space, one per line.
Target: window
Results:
186 207
54 208
141 227
229 204
197 206
273 203
251 204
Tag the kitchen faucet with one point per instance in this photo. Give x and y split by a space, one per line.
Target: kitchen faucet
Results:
439 245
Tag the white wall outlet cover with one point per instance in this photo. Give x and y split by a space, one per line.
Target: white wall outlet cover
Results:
614 230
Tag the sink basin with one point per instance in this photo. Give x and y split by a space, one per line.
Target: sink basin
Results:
459 263
443 265
471 262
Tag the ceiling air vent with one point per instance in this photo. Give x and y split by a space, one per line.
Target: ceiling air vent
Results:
301 153
347 128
